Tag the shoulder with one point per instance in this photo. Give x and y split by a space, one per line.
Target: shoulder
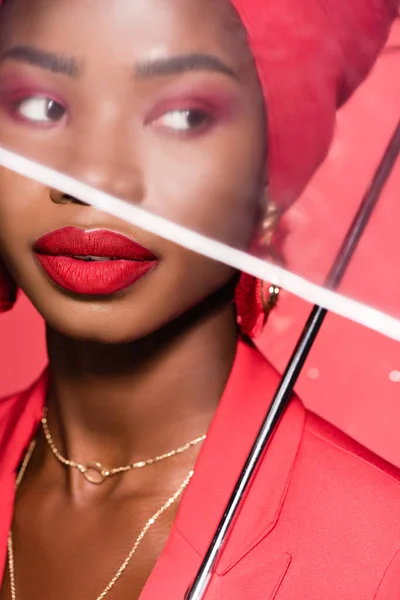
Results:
338 512
352 499
335 445
262 378
325 441
348 478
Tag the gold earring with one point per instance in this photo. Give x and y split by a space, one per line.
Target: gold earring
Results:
269 227
270 224
270 301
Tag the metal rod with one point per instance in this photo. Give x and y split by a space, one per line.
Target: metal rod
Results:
285 389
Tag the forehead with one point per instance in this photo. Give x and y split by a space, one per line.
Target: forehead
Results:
123 30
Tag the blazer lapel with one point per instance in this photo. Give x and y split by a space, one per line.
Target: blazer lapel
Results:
238 418
242 409
19 418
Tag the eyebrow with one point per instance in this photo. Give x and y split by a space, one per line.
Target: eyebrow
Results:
175 65
50 61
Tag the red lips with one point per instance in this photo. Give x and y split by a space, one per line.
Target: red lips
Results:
95 263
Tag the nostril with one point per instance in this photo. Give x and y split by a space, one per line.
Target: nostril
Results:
60 198
74 200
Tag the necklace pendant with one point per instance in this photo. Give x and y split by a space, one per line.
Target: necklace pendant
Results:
95 473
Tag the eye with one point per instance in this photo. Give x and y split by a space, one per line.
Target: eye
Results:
40 109
183 121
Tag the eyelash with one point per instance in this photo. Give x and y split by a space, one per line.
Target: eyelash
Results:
18 102
203 115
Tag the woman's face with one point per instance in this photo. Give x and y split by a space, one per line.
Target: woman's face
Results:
154 101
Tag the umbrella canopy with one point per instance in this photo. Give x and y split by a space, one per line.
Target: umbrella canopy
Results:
368 364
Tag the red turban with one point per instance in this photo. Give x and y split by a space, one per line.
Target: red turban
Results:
310 55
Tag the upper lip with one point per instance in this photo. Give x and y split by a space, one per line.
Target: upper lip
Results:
73 241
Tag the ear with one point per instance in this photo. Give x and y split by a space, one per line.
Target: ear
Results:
264 198
268 240
252 305
8 289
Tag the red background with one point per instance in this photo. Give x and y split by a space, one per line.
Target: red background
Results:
352 377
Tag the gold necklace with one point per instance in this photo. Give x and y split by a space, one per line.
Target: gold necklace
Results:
111 584
95 472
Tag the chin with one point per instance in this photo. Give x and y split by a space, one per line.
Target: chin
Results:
96 334
97 331
94 321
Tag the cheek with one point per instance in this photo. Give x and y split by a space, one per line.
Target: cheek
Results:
212 186
18 211
199 275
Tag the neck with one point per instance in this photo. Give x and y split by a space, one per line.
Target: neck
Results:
120 403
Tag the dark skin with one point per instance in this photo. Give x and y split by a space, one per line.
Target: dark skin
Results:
141 372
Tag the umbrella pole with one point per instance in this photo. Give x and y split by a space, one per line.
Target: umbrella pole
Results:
285 389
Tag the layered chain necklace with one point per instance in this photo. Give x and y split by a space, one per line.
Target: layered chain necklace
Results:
95 473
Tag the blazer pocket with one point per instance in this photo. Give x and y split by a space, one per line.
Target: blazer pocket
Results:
254 577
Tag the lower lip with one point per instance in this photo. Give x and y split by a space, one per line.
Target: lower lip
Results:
94 278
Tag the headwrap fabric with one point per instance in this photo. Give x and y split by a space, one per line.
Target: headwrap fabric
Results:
310 55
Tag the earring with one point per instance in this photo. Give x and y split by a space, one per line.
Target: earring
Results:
269 302
8 289
270 225
253 304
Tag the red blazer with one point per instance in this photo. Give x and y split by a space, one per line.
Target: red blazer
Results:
321 521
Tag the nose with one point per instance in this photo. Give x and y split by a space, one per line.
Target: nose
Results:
115 179
107 173
104 158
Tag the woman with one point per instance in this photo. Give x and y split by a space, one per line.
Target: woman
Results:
165 103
